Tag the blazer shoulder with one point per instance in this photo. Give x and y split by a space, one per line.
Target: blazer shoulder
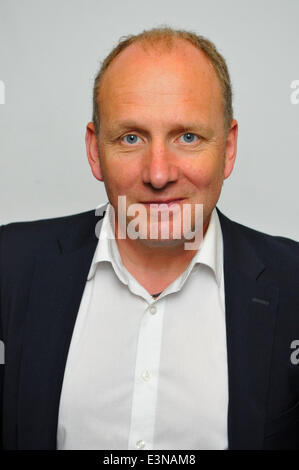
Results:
272 243
260 239
279 254
15 231
26 239
44 224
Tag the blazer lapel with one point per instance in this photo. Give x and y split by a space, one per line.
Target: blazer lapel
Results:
251 303
56 293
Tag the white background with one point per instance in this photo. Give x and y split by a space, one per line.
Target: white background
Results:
49 54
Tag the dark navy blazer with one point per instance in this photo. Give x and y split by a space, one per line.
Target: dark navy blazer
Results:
43 270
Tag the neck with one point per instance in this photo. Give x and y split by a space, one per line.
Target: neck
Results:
155 267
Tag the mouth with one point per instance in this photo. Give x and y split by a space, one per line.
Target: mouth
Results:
162 202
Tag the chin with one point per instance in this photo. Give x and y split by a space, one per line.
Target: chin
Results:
162 243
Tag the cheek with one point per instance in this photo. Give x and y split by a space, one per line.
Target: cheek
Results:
122 171
205 173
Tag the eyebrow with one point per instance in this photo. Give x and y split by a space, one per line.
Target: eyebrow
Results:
192 126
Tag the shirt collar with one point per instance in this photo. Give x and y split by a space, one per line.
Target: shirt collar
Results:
210 252
106 249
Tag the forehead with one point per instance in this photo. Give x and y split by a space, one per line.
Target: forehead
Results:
158 78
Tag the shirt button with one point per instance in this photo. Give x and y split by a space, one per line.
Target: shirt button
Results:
145 375
140 444
153 309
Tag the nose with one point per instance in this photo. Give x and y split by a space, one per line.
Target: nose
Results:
159 167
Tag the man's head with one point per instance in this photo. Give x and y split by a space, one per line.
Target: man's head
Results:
164 129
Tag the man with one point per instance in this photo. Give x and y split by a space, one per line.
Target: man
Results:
139 343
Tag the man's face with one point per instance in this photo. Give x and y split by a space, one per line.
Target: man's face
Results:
162 134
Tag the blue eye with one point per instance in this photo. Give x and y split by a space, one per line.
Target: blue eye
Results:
131 138
189 138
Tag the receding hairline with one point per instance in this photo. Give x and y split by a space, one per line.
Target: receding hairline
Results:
164 39
156 49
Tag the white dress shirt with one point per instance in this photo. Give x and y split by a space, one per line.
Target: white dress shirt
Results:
145 373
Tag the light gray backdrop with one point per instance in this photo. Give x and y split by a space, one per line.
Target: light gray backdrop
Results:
49 54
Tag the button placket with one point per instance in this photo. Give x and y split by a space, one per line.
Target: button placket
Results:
146 377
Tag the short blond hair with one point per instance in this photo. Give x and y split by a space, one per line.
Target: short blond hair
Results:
166 37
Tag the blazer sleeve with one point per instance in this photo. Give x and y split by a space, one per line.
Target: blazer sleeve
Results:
1 347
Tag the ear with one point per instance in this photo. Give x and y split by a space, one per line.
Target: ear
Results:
92 151
231 148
